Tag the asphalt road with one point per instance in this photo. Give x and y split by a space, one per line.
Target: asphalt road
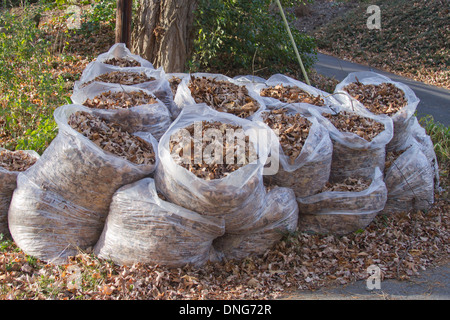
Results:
431 284
433 100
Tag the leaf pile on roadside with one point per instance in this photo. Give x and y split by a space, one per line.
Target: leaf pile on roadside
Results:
111 137
364 127
384 98
122 62
291 94
348 185
223 96
120 100
211 165
292 130
16 160
122 77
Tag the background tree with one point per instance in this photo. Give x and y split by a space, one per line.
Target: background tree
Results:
162 32
224 36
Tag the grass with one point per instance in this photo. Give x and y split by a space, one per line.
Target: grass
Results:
413 40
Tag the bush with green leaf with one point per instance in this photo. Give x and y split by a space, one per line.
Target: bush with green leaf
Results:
247 36
29 90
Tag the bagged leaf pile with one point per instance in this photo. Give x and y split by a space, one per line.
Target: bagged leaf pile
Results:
419 134
219 92
280 90
150 79
62 201
343 207
302 148
359 141
11 164
409 178
137 110
120 56
279 216
239 163
381 96
216 181
142 227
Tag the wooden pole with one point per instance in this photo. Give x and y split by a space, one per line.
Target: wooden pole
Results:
293 42
123 21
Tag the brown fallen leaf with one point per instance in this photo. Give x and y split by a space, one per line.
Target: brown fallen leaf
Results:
291 94
292 130
384 98
209 169
111 137
122 62
120 100
16 160
364 127
223 96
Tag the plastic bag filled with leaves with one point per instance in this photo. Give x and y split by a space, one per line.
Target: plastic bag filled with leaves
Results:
120 56
381 96
302 148
137 110
359 141
279 216
61 202
409 179
280 90
427 147
153 80
343 207
220 93
212 163
142 227
11 164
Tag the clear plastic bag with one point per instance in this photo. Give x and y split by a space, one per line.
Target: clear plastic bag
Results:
249 79
184 97
280 79
61 202
142 227
159 86
8 183
236 197
354 156
310 171
338 212
427 147
279 216
401 119
120 51
409 181
154 118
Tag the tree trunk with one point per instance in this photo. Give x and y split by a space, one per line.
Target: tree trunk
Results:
162 32
123 21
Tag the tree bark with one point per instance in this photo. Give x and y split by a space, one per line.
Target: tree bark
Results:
123 21
162 32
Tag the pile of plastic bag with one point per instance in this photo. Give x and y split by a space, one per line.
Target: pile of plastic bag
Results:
79 196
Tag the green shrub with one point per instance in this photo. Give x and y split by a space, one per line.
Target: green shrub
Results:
29 91
246 35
